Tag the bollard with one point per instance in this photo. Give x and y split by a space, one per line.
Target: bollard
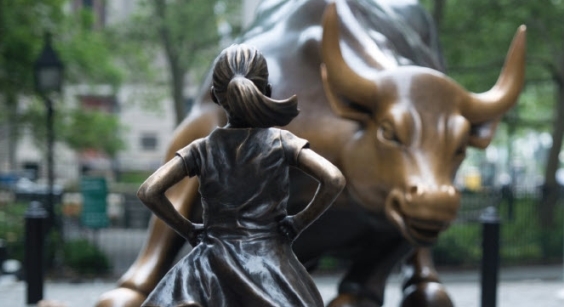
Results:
507 195
3 255
490 256
35 218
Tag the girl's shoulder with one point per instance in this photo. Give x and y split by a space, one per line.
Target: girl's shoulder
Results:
222 132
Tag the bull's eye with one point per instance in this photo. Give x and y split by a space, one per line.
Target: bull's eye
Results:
386 132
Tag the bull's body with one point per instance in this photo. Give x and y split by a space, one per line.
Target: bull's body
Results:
289 34
399 183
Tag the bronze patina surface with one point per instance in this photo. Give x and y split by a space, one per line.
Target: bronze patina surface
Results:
242 253
375 103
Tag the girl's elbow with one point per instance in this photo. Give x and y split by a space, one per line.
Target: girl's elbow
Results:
336 180
339 181
142 192
145 193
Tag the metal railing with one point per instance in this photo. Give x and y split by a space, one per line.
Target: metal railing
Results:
522 239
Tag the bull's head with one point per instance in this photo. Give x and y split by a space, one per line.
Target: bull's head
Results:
415 125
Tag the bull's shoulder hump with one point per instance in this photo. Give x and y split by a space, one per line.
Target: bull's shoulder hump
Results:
280 19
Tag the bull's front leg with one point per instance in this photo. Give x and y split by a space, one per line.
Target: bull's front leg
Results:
421 286
156 257
163 243
365 282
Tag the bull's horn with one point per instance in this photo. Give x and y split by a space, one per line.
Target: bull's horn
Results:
341 77
493 103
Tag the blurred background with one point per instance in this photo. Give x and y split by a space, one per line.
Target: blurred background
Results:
132 68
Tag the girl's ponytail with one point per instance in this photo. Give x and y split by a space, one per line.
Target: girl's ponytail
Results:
240 79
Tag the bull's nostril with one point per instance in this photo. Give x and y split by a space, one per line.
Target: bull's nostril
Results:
396 201
413 190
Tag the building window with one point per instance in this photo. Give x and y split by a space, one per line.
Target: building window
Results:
149 142
87 4
97 7
103 103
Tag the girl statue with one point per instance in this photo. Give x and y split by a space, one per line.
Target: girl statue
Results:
242 253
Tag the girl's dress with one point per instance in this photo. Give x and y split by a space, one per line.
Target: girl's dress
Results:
243 259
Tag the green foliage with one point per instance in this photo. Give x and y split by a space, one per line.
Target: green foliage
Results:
185 32
522 240
12 228
520 235
22 23
551 243
475 36
476 57
459 246
85 53
93 130
85 258
535 107
77 128
134 177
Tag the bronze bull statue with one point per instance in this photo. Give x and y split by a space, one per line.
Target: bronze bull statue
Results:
374 102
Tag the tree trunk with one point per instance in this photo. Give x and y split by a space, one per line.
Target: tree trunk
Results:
173 59
12 129
550 192
438 12
178 93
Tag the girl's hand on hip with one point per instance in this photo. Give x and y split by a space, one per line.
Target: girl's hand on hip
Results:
288 228
195 235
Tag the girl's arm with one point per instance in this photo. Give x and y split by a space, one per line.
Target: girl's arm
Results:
152 194
331 183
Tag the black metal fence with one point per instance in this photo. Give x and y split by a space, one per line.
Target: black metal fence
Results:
523 240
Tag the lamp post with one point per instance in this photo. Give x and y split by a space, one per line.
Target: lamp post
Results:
48 78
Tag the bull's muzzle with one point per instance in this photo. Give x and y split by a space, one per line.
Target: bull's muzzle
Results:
421 213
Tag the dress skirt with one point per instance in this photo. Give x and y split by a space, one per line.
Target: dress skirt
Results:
229 270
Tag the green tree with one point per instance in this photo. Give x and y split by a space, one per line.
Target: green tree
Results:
77 128
474 59
187 33
22 23
93 130
85 53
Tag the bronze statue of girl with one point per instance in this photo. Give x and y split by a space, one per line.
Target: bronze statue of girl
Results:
242 253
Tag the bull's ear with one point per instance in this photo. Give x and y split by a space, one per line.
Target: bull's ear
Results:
481 134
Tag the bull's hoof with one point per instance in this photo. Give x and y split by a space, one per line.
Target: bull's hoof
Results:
426 294
349 300
121 297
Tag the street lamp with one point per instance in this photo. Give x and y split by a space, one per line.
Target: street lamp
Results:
48 69
48 78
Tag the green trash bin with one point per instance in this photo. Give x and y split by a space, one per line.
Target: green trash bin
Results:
94 206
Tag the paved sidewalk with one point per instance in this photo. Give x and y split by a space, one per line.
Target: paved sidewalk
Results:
519 287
